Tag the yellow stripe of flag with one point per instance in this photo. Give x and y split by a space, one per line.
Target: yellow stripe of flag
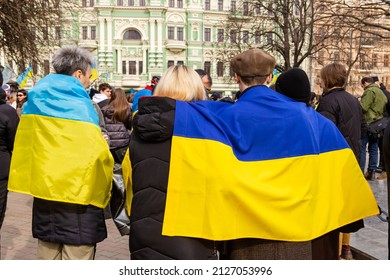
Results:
291 199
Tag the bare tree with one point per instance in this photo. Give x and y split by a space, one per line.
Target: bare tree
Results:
27 26
362 31
296 30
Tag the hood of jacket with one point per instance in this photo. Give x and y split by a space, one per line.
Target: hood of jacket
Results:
154 120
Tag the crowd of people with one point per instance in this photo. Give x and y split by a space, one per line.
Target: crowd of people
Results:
272 174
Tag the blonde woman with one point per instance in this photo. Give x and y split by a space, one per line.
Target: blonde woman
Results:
150 146
181 83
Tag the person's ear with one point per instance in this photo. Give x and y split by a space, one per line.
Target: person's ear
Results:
237 78
77 74
268 80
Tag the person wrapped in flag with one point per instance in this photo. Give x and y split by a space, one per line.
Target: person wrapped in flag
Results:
265 169
149 155
62 160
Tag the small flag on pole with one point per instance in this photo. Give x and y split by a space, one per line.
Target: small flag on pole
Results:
23 78
94 72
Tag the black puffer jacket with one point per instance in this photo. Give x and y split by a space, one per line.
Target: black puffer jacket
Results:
150 147
68 223
119 132
345 112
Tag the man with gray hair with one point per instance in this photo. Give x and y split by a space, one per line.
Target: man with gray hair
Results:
62 160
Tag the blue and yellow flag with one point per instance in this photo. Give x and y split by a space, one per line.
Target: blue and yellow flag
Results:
264 167
23 78
94 71
59 152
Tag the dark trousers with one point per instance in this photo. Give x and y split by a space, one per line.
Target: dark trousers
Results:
261 249
3 200
326 247
381 163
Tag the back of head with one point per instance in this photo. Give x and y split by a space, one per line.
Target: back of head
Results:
368 80
118 94
295 84
69 59
120 105
182 83
14 87
202 74
333 75
253 66
155 79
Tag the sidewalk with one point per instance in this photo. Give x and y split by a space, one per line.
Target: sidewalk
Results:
17 242
373 238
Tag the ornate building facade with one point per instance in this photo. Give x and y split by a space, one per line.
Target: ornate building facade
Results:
133 40
136 39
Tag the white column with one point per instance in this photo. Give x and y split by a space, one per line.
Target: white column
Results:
159 35
101 28
152 36
109 34
144 59
119 62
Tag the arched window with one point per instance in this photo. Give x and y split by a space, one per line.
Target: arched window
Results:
132 35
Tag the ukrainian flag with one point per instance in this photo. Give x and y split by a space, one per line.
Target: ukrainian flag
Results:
94 71
23 78
264 167
59 152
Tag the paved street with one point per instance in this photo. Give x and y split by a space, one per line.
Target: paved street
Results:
18 244
372 239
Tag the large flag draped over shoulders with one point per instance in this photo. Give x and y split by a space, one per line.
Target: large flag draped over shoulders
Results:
264 167
59 152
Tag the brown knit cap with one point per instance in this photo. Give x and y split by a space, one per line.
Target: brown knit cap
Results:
253 63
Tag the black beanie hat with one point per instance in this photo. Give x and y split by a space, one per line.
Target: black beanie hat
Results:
295 84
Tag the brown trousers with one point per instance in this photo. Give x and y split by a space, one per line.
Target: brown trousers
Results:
56 251
261 249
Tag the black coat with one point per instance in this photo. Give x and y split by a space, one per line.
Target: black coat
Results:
9 121
345 112
150 147
386 155
68 223
386 112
